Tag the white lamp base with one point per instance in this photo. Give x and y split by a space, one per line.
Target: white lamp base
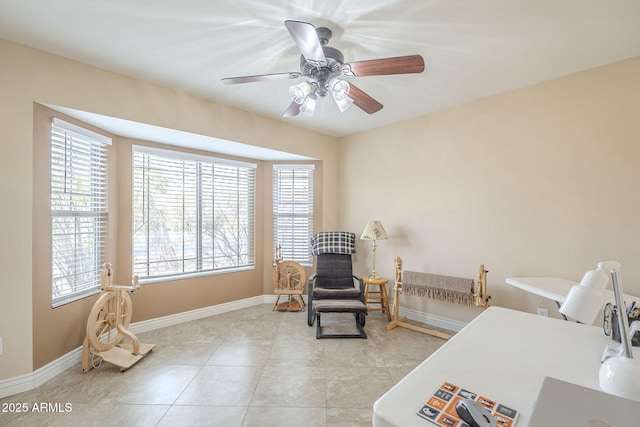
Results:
621 376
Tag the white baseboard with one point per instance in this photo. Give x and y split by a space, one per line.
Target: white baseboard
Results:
30 381
35 379
433 320
200 313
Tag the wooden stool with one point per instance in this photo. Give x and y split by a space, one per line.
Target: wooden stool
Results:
354 306
378 296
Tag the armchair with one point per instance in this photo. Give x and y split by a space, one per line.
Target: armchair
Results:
334 278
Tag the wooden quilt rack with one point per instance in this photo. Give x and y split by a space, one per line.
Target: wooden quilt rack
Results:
480 299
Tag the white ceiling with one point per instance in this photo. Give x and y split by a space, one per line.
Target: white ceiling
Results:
472 48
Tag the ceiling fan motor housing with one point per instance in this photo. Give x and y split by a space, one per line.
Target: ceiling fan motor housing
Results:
322 75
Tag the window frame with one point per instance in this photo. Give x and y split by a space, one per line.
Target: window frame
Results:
197 160
79 158
297 245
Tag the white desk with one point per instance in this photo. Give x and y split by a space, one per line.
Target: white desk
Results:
557 289
504 355
548 287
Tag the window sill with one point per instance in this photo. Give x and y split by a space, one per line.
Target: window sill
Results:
177 277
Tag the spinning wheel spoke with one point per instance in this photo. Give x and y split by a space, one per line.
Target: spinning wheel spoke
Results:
125 313
105 328
289 275
101 328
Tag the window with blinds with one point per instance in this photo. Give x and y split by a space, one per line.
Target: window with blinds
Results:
191 214
79 211
293 211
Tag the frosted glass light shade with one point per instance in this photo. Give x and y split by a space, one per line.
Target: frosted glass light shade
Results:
339 89
340 93
343 104
309 105
299 92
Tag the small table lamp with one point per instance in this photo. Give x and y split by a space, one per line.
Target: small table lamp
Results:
374 231
620 372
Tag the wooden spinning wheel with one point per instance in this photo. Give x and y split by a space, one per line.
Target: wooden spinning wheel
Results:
107 327
289 278
289 275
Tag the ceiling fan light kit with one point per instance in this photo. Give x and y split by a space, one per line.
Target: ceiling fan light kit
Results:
322 65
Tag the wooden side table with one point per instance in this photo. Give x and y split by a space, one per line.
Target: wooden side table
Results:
378 296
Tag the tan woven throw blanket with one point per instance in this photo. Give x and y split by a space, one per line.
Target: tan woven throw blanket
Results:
446 288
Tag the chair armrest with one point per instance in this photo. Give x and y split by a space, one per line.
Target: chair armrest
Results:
361 282
311 282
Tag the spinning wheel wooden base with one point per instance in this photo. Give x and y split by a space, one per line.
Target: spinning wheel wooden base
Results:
289 278
107 327
122 356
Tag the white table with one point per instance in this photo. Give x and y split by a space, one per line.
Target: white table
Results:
504 355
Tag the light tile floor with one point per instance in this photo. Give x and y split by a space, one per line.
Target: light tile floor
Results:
249 367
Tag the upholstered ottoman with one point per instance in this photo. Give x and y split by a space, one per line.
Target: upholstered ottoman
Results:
354 306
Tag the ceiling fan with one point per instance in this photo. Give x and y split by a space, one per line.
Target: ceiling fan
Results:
322 66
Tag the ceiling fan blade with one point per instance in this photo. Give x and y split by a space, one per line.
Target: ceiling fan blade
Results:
378 67
292 111
308 42
363 101
260 78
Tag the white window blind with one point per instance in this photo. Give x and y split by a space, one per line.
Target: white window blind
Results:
79 211
191 214
293 211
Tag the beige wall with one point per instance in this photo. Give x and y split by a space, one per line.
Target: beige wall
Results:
538 181
33 333
542 181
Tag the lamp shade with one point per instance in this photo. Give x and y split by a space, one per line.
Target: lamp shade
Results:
619 376
584 301
344 103
308 105
339 89
374 231
299 92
